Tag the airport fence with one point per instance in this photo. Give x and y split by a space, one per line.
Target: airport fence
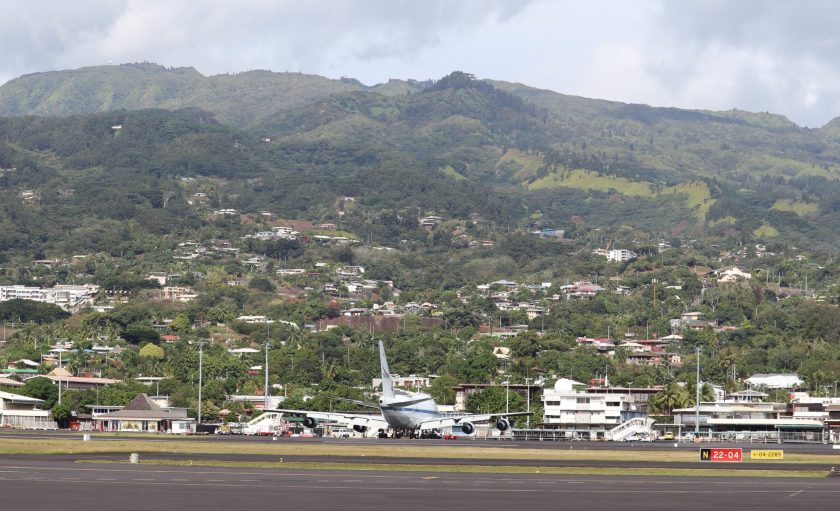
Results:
539 435
753 437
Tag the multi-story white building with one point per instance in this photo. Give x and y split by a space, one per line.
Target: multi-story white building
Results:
586 415
23 293
621 255
65 296
411 381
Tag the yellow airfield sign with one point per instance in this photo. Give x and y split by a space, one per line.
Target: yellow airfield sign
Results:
767 454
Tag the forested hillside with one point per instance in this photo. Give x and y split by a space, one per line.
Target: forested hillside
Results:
448 218
538 157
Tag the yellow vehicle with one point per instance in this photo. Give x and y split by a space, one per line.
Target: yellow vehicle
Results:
668 436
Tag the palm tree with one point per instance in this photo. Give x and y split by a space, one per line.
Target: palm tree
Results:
672 396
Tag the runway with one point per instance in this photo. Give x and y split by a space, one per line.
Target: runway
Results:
44 485
121 457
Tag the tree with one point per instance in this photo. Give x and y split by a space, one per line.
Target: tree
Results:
495 400
261 284
672 396
707 393
61 414
209 411
214 390
343 255
181 324
152 351
29 310
137 333
41 388
442 389
525 344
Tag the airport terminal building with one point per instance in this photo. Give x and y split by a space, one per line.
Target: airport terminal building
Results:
745 416
585 415
21 412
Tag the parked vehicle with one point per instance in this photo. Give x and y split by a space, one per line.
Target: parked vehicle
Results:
340 433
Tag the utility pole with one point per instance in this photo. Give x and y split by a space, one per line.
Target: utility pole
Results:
60 349
528 417
266 393
697 398
200 368
507 396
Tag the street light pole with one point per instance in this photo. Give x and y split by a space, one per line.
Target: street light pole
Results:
507 396
59 374
266 393
528 417
697 397
200 368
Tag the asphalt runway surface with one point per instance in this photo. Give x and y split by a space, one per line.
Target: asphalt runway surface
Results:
45 485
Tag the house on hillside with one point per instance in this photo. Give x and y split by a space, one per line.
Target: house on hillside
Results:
775 381
63 377
690 321
731 274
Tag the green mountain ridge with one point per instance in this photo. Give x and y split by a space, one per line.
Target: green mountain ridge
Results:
457 146
239 99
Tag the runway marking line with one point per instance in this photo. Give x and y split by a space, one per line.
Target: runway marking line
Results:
493 490
278 473
280 486
795 494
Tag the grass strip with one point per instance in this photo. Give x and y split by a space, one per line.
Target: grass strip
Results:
290 448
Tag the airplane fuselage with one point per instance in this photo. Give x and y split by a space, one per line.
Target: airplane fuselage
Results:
408 416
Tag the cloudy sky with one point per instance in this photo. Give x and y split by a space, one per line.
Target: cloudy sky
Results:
772 55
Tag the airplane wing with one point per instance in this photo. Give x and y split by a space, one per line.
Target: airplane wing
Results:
349 419
366 404
451 420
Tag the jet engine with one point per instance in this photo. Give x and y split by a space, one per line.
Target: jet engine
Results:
310 422
358 428
467 428
502 424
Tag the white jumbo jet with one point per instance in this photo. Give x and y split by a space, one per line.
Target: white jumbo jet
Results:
402 411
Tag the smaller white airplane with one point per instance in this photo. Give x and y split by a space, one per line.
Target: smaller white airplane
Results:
402 411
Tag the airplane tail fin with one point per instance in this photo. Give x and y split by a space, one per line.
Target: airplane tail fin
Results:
387 382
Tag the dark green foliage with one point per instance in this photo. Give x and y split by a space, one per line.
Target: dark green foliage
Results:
116 188
496 399
137 333
41 388
25 311
261 284
61 413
